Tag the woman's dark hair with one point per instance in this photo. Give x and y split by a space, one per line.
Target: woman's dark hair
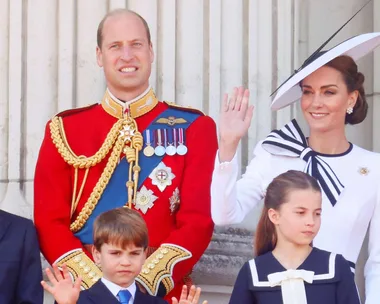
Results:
354 81
277 194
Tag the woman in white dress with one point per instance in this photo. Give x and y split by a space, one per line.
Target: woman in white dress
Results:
332 95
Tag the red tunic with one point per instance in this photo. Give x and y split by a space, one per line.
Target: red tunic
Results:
86 129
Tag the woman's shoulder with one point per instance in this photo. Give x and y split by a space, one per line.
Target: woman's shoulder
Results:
366 159
359 150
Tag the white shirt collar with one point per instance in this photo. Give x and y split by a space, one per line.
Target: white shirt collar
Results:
126 104
114 289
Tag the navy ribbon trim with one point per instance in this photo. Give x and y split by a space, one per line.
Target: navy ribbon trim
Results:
290 141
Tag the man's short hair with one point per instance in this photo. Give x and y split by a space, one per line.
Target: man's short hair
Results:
115 12
120 227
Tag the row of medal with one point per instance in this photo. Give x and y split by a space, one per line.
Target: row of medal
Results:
164 141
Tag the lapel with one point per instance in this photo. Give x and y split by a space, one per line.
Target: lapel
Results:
99 293
4 223
141 298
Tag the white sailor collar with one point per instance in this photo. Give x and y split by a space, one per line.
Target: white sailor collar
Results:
321 262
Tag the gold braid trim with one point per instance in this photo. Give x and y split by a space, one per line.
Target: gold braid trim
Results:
123 137
158 268
79 264
60 141
97 192
130 142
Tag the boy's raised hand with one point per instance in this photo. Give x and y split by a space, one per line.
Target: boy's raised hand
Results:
191 298
62 287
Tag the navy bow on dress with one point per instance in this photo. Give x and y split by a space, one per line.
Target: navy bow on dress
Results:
290 141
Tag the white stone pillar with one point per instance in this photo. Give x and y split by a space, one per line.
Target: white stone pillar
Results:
286 32
165 50
114 4
14 201
40 100
66 40
261 58
213 48
189 53
90 82
4 61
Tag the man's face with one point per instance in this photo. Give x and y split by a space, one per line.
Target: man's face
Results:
126 55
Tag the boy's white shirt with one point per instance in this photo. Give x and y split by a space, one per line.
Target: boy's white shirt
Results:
114 289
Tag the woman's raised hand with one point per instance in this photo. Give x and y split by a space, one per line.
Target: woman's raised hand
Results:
235 119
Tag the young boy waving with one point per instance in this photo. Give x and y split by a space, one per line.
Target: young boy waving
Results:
120 245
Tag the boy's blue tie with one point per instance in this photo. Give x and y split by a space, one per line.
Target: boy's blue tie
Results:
124 296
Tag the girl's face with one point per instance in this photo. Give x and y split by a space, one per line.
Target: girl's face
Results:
298 219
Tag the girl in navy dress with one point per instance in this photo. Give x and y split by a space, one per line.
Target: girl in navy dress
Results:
287 269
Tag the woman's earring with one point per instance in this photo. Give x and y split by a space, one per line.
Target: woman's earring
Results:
349 110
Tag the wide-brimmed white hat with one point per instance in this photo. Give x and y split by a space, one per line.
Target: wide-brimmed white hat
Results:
355 47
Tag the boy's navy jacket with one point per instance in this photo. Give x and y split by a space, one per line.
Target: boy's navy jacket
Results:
20 263
100 294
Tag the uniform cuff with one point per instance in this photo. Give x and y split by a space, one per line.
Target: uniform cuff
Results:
80 265
158 269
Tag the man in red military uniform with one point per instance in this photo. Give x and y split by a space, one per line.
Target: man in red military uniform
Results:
129 150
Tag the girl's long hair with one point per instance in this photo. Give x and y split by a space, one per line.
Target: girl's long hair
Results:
276 194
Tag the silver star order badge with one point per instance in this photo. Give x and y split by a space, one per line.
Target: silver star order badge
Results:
174 201
144 199
127 133
162 176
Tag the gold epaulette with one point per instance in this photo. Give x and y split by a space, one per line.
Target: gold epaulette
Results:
158 268
184 108
80 265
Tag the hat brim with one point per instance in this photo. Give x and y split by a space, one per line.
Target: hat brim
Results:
355 47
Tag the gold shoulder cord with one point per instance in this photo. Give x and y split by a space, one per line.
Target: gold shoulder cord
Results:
123 137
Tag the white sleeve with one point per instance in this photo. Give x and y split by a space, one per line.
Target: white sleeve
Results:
372 266
231 200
